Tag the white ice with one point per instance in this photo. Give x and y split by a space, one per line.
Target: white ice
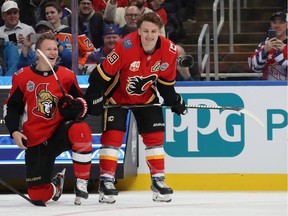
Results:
139 203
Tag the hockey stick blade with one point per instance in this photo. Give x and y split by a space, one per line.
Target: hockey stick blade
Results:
237 109
34 202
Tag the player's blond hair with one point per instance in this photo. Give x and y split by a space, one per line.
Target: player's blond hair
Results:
44 36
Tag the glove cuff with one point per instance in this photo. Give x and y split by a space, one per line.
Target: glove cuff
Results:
84 106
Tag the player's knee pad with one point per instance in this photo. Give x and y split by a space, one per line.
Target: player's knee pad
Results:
112 138
43 192
153 139
80 136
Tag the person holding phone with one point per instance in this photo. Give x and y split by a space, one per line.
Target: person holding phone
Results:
28 55
271 55
13 28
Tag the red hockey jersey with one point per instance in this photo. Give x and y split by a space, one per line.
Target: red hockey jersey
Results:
33 99
134 74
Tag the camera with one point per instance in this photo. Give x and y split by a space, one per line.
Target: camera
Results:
185 61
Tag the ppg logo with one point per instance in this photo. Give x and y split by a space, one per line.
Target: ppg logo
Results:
203 132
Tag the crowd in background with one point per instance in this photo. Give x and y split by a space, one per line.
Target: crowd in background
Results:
100 25
22 20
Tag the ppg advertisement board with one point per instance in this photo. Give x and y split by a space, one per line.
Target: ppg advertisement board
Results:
226 141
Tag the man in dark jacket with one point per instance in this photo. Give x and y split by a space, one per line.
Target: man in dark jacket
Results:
89 22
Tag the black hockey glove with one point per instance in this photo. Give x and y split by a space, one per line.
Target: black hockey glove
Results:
179 106
71 108
95 104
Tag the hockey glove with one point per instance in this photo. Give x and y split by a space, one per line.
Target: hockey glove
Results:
179 106
71 108
95 105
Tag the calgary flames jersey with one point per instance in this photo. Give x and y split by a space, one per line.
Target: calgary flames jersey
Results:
34 96
134 74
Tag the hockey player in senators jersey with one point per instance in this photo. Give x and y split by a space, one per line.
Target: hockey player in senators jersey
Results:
50 124
129 75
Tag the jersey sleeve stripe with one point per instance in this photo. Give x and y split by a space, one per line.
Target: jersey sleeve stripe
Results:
102 74
166 82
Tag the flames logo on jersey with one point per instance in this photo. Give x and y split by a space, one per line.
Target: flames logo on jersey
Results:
46 102
137 85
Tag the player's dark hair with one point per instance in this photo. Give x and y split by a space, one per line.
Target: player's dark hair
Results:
44 36
150 17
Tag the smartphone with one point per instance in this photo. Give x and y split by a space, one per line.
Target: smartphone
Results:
271 33
12 37
34 37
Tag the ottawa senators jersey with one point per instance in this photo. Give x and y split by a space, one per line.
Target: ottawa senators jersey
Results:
134 74
34 97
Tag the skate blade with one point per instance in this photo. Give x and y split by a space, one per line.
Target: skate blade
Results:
77 200
110 199
157 197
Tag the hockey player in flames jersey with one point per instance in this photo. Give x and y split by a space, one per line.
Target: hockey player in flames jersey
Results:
51 124
141 63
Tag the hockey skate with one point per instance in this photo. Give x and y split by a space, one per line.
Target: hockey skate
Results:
107 191
161 192
80 190
58 181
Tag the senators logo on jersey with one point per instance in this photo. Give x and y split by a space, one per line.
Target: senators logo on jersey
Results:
46 102
137 85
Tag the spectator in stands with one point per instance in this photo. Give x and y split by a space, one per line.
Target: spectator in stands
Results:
13 29
111 35
271 55
9 57
63 33
114 14
132 15
182 66
90 22
28 55
53 14
31 11
156 6
101 5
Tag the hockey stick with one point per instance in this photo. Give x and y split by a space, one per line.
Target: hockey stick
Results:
34 202
237 109
56 77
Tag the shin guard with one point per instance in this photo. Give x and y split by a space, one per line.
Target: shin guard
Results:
81 140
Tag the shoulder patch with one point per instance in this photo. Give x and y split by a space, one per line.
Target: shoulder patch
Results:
172 47
112 57
127 43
